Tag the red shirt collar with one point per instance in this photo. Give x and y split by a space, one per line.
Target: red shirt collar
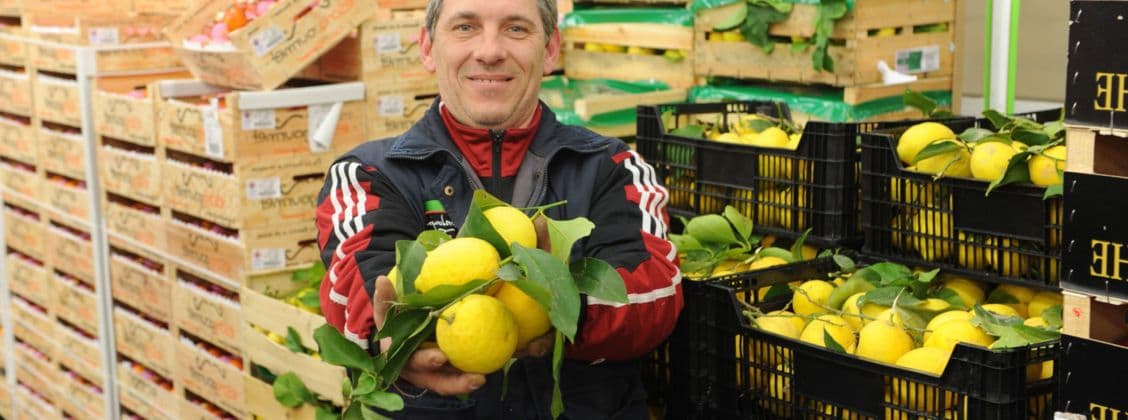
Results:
476 144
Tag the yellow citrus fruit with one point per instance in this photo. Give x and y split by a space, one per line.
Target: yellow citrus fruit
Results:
793 141
914 192
952 163
888 315
837 327
1036 321
1023 294
765 262
477 334
1000 309
946 335
795 320
971 255
989 160
532 320
927 360
945 317
785 216
614 48
392 275
513 225
732 36
729 137
773 137
1009 262
457 262
883 341
857 317
918 137
933 234
727 267
811 297
1043 168
775 388
969 291
1043 300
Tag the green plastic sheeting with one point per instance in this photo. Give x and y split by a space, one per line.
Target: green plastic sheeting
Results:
561 92
709 4
669 16
824 106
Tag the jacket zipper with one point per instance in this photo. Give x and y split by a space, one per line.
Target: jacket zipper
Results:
495 179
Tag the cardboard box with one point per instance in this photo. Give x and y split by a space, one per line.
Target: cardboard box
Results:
56 99
29 280
210 378
251 194
62 153
145 342
72 251
141 287
143 224
247 126
144 397
80 355
214 318
65 195
270 49
25 232
131 171
15 86
76 305
17 140
253 250
391 111
261 403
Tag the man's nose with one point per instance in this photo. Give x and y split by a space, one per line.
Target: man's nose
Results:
490 48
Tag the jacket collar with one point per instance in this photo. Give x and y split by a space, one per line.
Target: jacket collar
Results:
429 136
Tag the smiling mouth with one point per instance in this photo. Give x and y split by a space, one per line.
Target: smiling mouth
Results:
490 79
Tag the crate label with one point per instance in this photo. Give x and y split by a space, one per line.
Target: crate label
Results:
259 119
390 106
266 40
259 189
388 43
268 259
104 36
321 136
213 132
919 60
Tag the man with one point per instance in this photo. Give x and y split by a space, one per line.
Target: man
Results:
488 130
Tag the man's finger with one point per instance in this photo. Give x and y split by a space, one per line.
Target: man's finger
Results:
384 293
542 345
443 383
544 242
427 359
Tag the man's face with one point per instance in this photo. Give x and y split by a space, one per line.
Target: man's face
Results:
489 57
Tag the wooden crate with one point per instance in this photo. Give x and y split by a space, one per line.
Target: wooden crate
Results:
35 328
15 87
193 411
583 64
25 232
6 398
29 279
258 125
72 251
855 62
391 111
76 305
66 196
17 139
277 317
83 401
1096 150
76 7
1099 318
205 314
34 406
138 222
123 116
143 397
247 194
147 343
270 49
174 7
261 403
13 48
62 152
210 378
403 4
38 373
131 171
250 251
63 58
139 286
56 99
106 27
21 180
80 354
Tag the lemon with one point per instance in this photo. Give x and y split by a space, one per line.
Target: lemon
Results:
883 341
728 267
933 234
1044 168
795 320
989 160
1036 321
765 262
945 317
793 141
857 317
785 216
513 225
888 315
1042 301
277 339
639 51
811 297
969 291
1000 309
971 255
1022 294
914 192
729 137
1009 262
614 48
532 320
774 386
837 327
477 334
927 360
593 47
392 275
457 262
885 32
946 335
952 163
732 36
918 137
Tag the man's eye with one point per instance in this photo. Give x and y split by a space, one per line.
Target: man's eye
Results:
464 27
518 29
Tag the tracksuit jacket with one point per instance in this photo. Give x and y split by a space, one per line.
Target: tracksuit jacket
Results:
374 195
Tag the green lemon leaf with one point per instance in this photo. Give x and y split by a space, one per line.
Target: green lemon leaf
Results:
409 261
509 272
950 296
889 272
778 291
1030 136
383 400
346 388
310 299
919 101
563 235
294 341
311 276
325 413
711 229
1054 130
262 373
366 384
885 296
291 392
799 46
1017 171
927 277
685 243
338 350
831 344
844 263
992 323
997 119
691 131
353 413
797 247
852 286
999 296
759 124
1023 335
401 322
441 295
1052 191
551 273
598 279
935 148
1052 315
741 223
536 291
975 134
368 414
478 226
431 239
397 355
781 253
759 21
557 407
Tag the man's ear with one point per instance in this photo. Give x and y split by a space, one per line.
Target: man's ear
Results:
425 46
552 52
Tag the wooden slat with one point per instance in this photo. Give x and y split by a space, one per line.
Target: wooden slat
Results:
594 65
597 104
648 35
854 95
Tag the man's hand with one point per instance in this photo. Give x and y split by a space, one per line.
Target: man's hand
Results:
538 347
428 367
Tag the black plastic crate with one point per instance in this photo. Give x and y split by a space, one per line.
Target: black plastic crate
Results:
792 379
666 371
1013 235
784 192
1087 366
